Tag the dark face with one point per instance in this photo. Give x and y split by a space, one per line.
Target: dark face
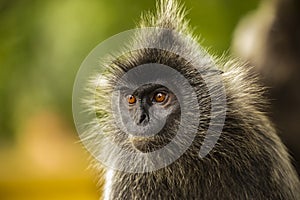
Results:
148 111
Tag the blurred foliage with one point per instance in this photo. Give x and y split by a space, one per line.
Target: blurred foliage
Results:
44 42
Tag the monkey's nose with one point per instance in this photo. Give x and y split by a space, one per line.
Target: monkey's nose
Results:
143 120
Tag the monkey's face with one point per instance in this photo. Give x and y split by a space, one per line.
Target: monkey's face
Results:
146 114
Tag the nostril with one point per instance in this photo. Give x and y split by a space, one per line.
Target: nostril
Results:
142 118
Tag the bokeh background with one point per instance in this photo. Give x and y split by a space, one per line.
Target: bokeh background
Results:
42 44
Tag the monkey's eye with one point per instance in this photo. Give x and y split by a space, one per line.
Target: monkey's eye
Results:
159 97
131 99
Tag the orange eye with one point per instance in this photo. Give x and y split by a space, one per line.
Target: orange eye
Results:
131 99
160 97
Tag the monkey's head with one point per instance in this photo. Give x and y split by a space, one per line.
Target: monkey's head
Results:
154 106
151 89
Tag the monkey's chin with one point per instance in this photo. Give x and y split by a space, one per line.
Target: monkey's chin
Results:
146 144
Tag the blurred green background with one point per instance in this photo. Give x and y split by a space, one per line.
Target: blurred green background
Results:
42 44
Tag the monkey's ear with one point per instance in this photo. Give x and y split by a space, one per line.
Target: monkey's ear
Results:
169 14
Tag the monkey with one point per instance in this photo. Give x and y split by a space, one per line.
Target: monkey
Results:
172 111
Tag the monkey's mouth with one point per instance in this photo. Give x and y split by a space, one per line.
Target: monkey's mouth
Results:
149 144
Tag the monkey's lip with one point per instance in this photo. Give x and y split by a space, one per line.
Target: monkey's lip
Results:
148 144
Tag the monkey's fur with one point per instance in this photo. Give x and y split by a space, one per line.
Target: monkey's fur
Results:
248 162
